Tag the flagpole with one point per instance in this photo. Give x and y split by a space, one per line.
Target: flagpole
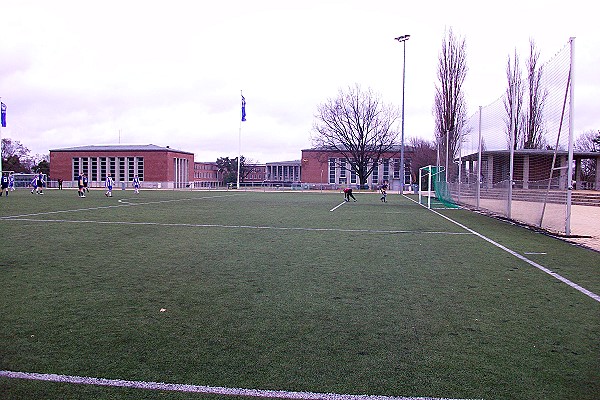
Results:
240 142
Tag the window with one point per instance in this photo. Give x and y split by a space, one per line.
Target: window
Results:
75 168
140 168
131 168
352 174
102 168
332 170
375 173
396 162
112 165
85 165
386 169
121 169
342 180
94 173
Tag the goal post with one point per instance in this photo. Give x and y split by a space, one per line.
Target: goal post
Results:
433 188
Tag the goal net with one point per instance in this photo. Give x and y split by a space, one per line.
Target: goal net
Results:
433 188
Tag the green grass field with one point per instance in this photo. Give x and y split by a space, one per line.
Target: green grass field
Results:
274 291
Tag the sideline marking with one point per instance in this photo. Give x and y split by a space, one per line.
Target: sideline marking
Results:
561 278
339 205
176 387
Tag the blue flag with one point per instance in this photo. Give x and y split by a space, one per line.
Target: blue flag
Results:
3 114
243 108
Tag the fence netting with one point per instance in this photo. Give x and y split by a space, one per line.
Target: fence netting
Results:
521 179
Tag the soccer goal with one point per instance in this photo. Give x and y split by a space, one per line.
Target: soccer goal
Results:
433 187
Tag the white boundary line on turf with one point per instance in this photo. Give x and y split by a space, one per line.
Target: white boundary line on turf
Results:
561 278
281 228
339 205
175 387
122 204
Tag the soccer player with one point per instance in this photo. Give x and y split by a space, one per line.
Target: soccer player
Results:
108 182
348 194
33 184
40 183
383 190
136 184
85 183
4 184
80 191
11 182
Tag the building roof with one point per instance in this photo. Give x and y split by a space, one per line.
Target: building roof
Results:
539 152
395 148
293 162
125 147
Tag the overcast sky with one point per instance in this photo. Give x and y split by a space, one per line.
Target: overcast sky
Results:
87 72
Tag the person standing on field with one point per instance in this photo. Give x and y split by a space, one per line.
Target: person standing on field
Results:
33 184
80 191
108 182
136 184
11 182
4 185
40 183
383 190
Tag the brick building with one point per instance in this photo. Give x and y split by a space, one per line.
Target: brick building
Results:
156 167
206 175
329 167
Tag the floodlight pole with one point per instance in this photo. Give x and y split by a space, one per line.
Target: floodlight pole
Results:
403 40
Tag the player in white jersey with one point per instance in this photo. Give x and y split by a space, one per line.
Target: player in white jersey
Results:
136 184
11 182
108 182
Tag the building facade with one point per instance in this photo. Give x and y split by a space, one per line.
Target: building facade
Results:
206 175
326 167
155 166
283 172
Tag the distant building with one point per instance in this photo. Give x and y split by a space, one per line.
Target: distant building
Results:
206 175
283 172
156 167
329 167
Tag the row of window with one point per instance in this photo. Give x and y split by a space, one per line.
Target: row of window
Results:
339 169
122 169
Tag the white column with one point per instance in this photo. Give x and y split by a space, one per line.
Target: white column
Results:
526 172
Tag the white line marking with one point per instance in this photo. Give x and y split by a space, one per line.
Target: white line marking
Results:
176 387
281 228
124 204
523 258
339 205
534 253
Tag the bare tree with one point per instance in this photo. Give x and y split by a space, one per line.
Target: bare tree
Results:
588 141
450 110
533 128
513 101
357 125
423 154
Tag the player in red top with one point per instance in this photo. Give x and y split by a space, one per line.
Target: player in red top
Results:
348 194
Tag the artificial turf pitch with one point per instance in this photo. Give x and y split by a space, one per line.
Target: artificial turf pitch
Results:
274 291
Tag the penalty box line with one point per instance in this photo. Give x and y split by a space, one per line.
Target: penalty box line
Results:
176 387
